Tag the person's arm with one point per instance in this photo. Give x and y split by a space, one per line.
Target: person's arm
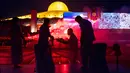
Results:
62 40
22 36
52 40
51 37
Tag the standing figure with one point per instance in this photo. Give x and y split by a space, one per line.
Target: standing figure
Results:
86 40
44 62
73 45
16 42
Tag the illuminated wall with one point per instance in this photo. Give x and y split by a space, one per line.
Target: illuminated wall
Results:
114 21
113 26
106 21
110 27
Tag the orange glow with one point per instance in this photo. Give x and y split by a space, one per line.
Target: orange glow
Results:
33 29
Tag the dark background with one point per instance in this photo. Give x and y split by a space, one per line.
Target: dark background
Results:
10 8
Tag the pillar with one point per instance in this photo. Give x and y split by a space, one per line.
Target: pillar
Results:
33 21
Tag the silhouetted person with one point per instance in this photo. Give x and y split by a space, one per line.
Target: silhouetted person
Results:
43 54
98 63
73 45
16 42
86 40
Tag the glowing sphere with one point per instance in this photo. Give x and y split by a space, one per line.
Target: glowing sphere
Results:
58 6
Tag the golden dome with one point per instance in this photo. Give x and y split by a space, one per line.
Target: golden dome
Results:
58 6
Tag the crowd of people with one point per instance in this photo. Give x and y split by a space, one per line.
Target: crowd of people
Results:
44 61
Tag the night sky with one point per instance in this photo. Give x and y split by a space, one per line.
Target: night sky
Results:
11 8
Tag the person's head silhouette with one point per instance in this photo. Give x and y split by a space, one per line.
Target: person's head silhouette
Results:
78 18
15 20
46 22
70 31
